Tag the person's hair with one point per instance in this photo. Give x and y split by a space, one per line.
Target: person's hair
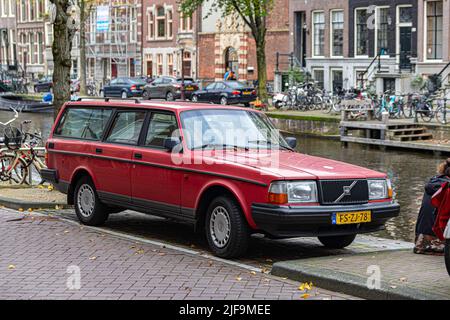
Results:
444 168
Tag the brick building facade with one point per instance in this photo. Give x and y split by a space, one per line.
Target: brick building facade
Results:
225 42
167 38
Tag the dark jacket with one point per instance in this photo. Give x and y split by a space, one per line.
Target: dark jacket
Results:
427 213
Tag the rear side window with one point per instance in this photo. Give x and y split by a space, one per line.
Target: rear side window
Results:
83 123
127 127
162 126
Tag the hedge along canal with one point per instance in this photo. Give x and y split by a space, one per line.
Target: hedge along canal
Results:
408 170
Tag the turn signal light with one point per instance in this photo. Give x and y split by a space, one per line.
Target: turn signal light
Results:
278 198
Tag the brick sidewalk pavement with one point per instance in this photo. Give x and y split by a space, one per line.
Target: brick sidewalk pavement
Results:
36 252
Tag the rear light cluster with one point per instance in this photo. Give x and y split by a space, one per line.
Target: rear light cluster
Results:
133 87
236 93
254 92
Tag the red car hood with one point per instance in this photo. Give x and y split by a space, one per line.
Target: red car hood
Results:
291 165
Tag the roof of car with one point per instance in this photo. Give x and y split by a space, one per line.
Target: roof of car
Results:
163 105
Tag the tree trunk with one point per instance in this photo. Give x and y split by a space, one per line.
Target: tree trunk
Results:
262 70
83 14
61 49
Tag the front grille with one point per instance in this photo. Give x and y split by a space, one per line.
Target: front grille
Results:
332 192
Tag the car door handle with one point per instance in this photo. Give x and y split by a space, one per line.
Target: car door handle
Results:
138 156
98 151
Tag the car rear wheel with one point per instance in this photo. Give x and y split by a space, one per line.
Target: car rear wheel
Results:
226 228
169 96
337 242
124 95
447 255
90 211
194 98
224 101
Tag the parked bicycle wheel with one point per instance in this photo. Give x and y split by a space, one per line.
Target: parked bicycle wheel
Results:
442 115
13 169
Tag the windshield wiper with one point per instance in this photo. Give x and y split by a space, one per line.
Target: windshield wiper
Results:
222 146
269 143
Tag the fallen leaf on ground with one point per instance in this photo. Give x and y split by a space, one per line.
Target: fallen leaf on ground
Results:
11 267
140 251
238 278
93 258
253 273
394 287
20 209
403 279
305 296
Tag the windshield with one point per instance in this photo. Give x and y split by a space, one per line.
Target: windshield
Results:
228 128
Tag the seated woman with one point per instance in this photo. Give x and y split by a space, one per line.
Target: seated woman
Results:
426 240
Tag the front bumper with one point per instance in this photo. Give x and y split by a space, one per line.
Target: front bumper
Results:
313 221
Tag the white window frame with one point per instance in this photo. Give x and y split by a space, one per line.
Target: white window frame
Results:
151 21
169 10
377 12
333 69
425 37
398 25
355 35
157 18
313 13
332 33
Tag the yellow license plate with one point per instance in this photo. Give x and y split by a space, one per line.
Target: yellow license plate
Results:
247 92
352 217
190 88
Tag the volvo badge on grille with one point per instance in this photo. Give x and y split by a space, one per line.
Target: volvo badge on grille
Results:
347 191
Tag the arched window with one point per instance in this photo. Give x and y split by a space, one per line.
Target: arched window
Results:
160 22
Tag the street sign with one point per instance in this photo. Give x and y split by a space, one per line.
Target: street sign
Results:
102 18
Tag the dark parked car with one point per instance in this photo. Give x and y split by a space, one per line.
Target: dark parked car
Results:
169 88
44 85
226 92
123 87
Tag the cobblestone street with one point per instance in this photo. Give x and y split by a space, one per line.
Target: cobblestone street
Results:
37 251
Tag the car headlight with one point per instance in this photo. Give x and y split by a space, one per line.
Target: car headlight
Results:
293 192
379 189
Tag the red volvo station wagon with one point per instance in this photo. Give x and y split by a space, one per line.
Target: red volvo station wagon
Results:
225 170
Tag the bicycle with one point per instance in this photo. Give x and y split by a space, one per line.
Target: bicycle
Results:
20 154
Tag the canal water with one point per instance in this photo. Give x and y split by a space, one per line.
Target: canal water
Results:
408 171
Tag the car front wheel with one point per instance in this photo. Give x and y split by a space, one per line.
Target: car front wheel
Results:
124 95
194 98
146 95
337 242
226 228
90 211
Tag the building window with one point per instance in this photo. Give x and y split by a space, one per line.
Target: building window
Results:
185 23
337 80
319 33
23 10
405 14
337 29
169 24
161 22
170 64
187 64
362 36
151 25
318 76
159 64
133 25
383 31
40 48
434 30
149 66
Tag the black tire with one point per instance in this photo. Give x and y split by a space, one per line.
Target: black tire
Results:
194 98
247 105
337 242
224 101
238 239
124 95
99 213
447 255
169 96
146 95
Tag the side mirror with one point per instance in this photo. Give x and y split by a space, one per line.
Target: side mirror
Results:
292 142
171 143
